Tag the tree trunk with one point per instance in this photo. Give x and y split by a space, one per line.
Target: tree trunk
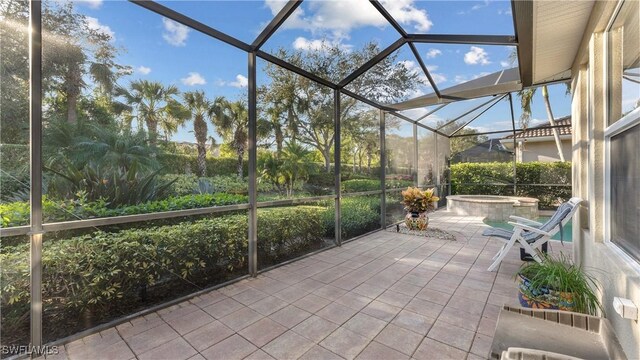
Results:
552 122
202 159
369 163
152 127
72 103
240 158
353 166
326 153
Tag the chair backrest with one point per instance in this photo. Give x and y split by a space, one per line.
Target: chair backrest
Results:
561 217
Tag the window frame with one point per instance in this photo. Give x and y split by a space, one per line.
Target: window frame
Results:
612 129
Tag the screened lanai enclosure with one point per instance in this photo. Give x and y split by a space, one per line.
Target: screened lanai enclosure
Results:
152 150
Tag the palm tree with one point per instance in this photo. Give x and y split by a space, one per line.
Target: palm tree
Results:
200 108
231 120
526 98
154 104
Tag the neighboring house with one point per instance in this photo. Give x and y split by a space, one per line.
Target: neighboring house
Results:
538 143
488 151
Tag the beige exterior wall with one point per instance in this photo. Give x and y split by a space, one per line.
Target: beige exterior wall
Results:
545 151
618 274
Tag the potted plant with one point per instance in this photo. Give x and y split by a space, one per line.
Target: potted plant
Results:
418 203
557 283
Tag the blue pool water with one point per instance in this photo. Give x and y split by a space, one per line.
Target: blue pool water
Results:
566 230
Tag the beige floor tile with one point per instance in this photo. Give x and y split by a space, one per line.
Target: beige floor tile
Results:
460 318
434 296
433 350
365 325
208 335
241 319
290 316
232 348
424 307
354 301
319 353
250 296
262 331
312 303
315 328
481 345
336 313
368 290
268 305
151 339
399 339
376 351
259 355
381 310
451 335
288 346
190 321
414 322
176 349
223 308
345 342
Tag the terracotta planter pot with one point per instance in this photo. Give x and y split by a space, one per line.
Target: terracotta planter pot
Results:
416 220
544 298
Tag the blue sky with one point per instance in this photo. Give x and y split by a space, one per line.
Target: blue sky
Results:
162 50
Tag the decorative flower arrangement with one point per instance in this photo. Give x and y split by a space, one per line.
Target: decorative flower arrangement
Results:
417 203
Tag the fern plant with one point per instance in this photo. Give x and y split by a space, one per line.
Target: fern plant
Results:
560 275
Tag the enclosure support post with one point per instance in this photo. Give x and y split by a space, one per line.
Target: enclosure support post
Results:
515 144
337 165
35 134
383 172
415 155
436 163
253 211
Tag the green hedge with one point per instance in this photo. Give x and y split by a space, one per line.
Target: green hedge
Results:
532 173
105 273
17 213
180 163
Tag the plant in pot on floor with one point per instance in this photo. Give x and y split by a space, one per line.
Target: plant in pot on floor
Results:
418 203
557 283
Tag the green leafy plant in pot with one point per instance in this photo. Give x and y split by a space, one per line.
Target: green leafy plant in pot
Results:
557 283
418 203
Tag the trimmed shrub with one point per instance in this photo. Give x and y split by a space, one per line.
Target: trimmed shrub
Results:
186 164
471 178
17 213
359 215
359 185
285 233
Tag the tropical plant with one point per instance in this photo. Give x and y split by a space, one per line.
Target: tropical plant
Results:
560 283
416 200
116 187
200 108
291 167
231 119
153 104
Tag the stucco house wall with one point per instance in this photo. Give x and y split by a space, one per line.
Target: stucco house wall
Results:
545 151
593 84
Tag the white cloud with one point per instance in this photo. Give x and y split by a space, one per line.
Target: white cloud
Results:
433 53
335 19
412 66
193 79
301 43
505 12
174 33
505 64
94 24
93 4
241 81
144 70
477 55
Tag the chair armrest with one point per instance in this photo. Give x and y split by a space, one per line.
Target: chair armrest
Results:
524 220
528 228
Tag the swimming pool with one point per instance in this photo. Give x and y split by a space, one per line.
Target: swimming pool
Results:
566 230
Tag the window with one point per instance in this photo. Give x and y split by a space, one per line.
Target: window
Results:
624 175
623 134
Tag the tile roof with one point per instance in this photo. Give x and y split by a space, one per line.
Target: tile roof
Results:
544 130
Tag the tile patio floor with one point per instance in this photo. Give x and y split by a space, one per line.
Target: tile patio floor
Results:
384 296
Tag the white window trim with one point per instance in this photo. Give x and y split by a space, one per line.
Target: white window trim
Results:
625 123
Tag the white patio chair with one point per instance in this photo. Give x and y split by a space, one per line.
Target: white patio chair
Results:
531 234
